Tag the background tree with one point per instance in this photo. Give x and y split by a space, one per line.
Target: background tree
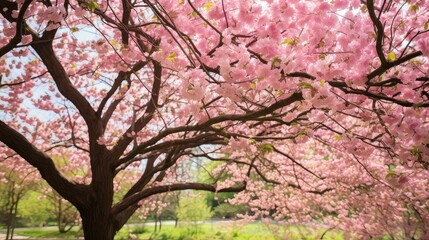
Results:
15 184
167 210
228 211
34 209
193 209
218 202
308 105
65 213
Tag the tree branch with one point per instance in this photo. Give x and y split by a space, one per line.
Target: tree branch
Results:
380 32
202 139
295 97
380 70
126 6
19 27
73 192
297 163
150 171
116 84
152 104
66 88
124 204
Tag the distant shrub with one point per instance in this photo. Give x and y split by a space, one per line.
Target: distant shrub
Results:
139 230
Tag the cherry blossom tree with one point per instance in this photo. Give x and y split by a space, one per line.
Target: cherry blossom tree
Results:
315 109
16 180
65 214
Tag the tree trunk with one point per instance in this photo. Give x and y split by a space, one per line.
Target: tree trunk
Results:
11 219
8 227
59 215
15 214
97 225
97 220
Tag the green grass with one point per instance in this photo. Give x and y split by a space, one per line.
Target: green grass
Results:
229 231
208 231
48 233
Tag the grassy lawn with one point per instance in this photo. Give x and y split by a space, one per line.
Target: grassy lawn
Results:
227 231
48 232
210 231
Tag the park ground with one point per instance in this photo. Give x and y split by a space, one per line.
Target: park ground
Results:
219 230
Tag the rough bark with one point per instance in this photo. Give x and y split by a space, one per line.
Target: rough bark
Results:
97 224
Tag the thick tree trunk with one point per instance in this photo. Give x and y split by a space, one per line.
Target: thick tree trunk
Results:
97 225
97 220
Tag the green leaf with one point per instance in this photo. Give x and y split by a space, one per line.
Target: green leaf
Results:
414 8
266 148
171 56
320 44
252 86
114 43
275 61
326 157
305 85
290 41
301 134
208 6
74 29
391 167
391 57
426 26
91 5
278 92
390 173
415 151
287 41
391 170
190 87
